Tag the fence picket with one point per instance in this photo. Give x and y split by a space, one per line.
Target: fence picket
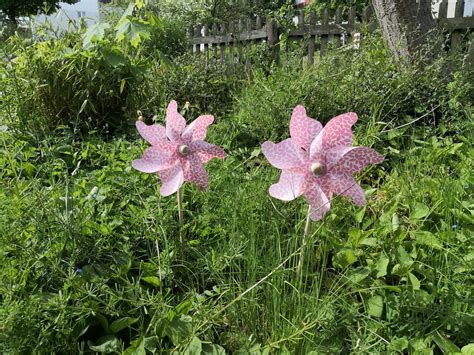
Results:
312 39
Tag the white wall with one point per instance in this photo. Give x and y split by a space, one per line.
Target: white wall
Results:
84 9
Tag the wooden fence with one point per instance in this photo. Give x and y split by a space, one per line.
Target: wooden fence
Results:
229 42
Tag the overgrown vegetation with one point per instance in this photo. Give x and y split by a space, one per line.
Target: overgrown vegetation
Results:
90 254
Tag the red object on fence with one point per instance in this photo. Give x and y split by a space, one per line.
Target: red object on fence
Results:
301 3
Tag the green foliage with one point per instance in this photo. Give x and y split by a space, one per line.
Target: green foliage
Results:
15 8
64 84
368 81
209 86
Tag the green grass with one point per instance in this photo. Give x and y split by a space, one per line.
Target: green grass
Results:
87 241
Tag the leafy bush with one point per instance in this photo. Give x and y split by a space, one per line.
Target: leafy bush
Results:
369 82
61 83
208 85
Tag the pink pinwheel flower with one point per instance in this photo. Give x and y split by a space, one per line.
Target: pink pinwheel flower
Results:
178 152
318 162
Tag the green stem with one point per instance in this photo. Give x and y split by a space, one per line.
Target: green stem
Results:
180 214
305 237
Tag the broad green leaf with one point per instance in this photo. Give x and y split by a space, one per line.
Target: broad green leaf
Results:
415 283
381 265
446 345
468 349
122 323
105 344
194 347
419 211
395 222
152 280
94 33
212 349
137 347
399 344
375 306
428 239
359 275
179 329
133 30
345 257
113 57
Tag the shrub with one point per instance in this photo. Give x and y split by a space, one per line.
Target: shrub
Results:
209 86
61 83
369 82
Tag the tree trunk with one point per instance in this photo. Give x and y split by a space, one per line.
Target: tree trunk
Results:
405 24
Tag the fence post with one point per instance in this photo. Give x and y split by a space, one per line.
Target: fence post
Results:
197 34
222 44
338 22
312 39
273 36
456 37
324 38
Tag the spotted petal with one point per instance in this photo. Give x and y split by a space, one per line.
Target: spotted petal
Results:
194 171
289 187
172 179
206 151
318 202
283 155
303 129
152 161
354 159
153 134
338 131
345 185
175 123
197 130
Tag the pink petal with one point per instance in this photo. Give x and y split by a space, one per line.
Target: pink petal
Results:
172 179
283 155
152 134
355 159
153 160
303 129
318 201
338 132
175 123
206 151
345 185
197 130
194 171
289 187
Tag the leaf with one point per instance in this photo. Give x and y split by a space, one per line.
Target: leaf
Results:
212 349
133 30
395 222
137 347
194 347
381 265
375 306
122 323
179 329
345 257
415 283
113 57
399 344
419 211
105 344
152 280
428 239
468 349
446 345
94 33
359 275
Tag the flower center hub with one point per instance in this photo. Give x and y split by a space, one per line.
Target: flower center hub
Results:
184 150
318 169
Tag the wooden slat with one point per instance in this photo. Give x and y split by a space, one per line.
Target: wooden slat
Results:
206 45
338 22
273 39
325 32
456 37
196 40
222 44
312 40
443 10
